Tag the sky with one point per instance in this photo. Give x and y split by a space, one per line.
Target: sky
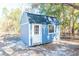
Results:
11 6
8 6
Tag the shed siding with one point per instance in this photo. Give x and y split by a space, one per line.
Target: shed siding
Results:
25 33
24 19
44 34
46 37
51 37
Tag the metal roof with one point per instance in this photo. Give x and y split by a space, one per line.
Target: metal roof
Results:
41 19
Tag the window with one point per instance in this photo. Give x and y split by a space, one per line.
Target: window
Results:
36 29
51 28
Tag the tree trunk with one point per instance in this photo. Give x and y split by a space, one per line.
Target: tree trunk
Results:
72 23
63 18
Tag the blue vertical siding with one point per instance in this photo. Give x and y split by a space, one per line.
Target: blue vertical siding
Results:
44 33
24 29
46 37
25 34
51 37
24 18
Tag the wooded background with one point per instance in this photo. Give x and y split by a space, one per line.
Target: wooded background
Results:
66 13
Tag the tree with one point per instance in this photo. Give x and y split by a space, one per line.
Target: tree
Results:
12 20
75 6
15 17
65 12
5 12
56 10
51 9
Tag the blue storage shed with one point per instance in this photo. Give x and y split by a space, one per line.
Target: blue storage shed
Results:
38 29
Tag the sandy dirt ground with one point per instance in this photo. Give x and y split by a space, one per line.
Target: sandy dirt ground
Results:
11 45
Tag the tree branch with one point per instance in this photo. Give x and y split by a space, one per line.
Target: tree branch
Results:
72 5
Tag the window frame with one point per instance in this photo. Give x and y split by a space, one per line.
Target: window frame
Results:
35 30
48 29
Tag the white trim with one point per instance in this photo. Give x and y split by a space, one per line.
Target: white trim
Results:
40 33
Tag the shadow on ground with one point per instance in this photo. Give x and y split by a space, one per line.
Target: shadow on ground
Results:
11 45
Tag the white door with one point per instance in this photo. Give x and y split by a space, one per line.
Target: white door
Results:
36 34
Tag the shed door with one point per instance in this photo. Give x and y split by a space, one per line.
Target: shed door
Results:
36 34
